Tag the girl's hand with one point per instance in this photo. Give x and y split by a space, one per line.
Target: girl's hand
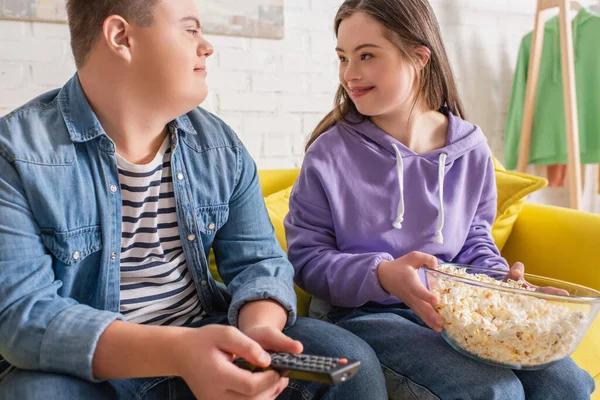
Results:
516 274
400 278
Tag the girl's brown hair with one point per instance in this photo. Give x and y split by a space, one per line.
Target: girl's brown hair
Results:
408 24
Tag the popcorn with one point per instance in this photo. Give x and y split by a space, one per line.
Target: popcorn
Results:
503 327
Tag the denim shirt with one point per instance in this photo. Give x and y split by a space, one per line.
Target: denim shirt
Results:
60 228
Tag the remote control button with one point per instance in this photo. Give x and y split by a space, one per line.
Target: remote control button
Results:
343 361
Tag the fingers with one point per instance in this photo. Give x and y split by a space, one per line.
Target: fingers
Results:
273 339
247 383
283 383
552 290
422 302
516 272
233 341
428 314
416 259
425 295
527 285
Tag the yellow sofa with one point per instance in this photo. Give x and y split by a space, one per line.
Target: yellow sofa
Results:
550 241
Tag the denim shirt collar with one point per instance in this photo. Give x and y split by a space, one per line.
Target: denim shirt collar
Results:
184 124
81 121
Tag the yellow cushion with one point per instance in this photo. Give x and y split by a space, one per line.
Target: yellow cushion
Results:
513 188
212 266
278 207
274 180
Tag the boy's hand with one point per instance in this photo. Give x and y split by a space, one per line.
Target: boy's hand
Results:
204 360
273 339
400 278
263 321
516 273
262 313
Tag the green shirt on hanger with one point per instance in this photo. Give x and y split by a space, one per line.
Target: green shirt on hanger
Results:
548 138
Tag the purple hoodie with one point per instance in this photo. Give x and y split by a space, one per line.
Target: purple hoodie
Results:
363 197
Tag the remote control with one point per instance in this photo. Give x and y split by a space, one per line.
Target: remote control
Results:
332 371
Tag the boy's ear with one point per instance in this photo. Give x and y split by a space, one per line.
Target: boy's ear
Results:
423 56
116 34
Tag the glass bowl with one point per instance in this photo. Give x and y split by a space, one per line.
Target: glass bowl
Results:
507 324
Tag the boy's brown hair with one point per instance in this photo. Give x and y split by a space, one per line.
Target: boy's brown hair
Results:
87 17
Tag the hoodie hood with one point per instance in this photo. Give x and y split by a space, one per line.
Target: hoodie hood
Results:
462 138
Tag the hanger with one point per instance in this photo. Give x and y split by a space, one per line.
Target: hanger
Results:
576 6
547 4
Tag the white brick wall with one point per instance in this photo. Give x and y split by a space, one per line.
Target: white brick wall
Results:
274 92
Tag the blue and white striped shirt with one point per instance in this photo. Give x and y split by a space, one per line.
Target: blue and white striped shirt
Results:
156 286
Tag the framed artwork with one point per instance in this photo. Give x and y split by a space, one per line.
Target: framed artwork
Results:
248 18
34 10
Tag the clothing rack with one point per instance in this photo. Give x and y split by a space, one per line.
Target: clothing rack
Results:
568 75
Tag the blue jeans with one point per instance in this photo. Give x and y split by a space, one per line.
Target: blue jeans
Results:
318 337
419 364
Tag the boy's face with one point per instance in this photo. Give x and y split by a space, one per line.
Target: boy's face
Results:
169 58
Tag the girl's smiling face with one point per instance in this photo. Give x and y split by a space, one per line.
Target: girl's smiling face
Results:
376 76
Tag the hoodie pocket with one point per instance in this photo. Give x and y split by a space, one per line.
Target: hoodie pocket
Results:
77 258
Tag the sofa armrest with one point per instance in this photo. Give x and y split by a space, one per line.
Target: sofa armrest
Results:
558 243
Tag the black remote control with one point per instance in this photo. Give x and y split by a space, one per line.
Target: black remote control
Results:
303 367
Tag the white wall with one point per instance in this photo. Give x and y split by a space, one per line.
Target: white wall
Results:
273 92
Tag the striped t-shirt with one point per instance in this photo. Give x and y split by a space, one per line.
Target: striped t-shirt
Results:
156 286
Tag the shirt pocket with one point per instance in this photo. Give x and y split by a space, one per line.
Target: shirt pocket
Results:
77 259
211 219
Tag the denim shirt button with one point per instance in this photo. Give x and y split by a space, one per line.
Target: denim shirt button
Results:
211 226
204 283
76 255
180 176
191 238
113 188
113 256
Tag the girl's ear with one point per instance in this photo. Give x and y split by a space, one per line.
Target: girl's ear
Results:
423 56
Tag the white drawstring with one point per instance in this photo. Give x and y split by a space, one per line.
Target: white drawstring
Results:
400 171
439 237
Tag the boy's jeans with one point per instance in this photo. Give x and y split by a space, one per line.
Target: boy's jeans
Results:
419 364
318 337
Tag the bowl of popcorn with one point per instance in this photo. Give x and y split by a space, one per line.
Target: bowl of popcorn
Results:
507 323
